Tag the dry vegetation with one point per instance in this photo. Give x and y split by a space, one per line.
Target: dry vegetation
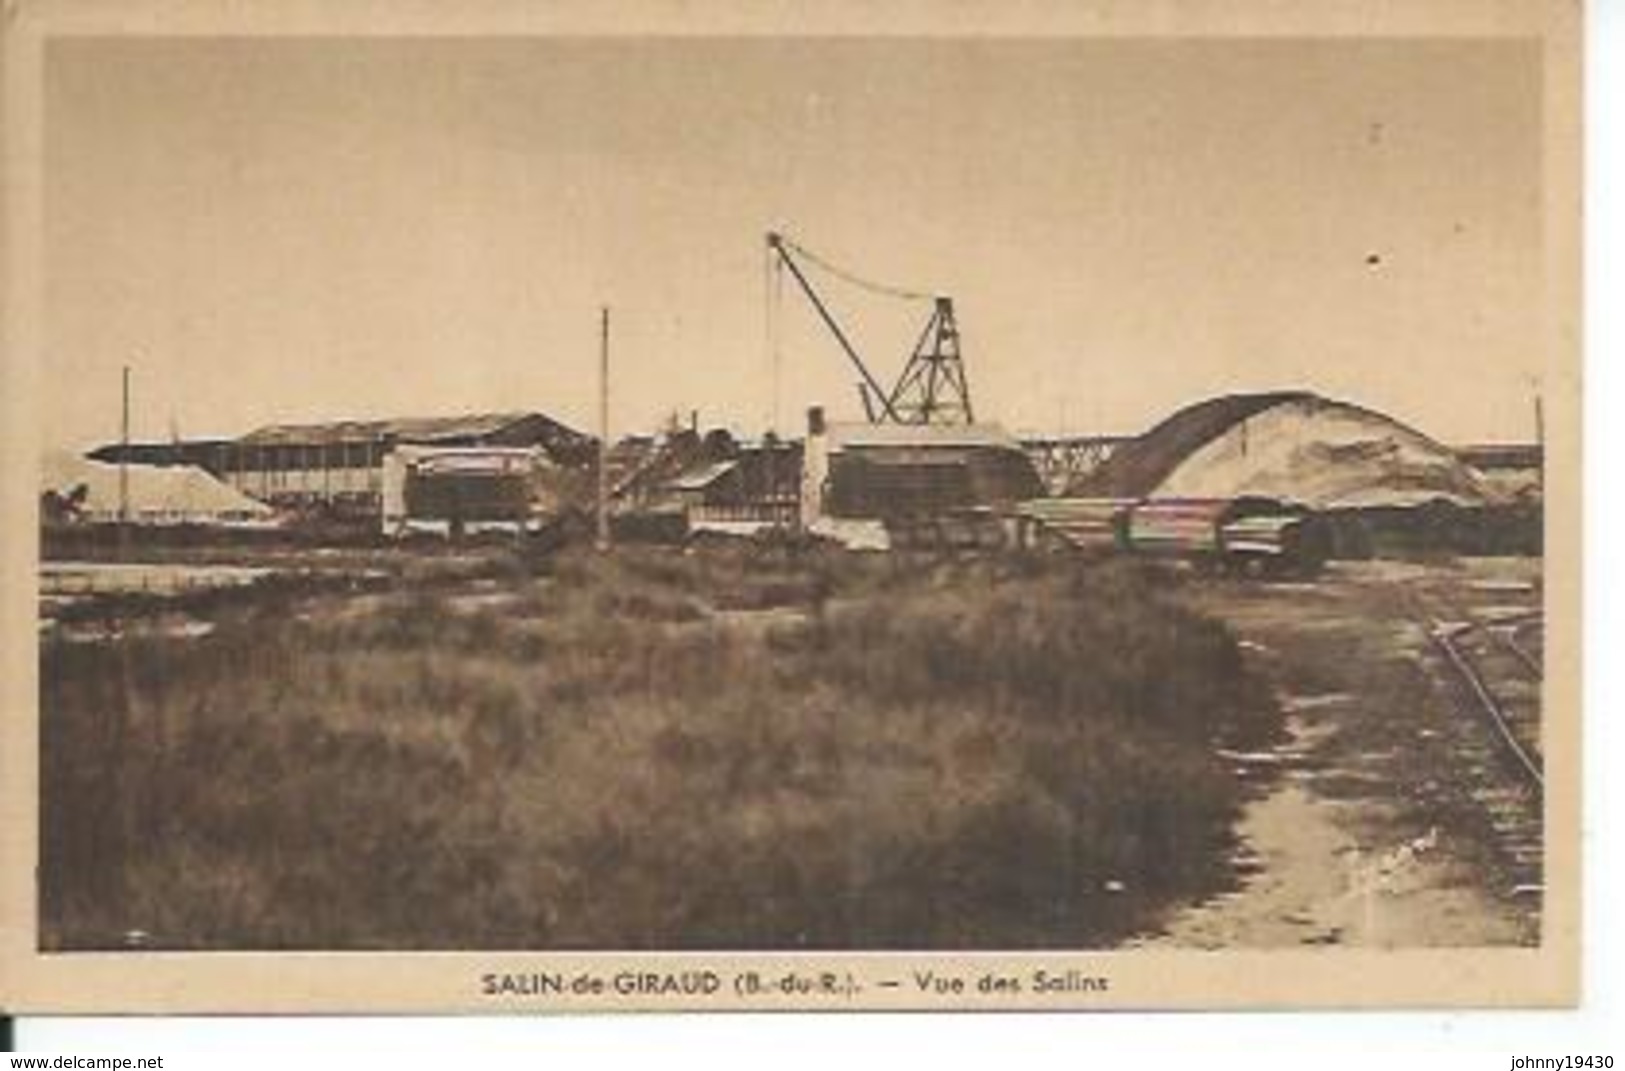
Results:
719 749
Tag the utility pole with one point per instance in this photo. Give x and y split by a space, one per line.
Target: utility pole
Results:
1540 441
603 430
124 454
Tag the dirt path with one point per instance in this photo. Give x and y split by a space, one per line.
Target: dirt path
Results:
1359 834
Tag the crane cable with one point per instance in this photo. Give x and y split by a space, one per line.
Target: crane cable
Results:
853 278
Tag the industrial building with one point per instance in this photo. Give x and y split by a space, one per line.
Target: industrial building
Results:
881 484
642 467
458 490
757 485
339 466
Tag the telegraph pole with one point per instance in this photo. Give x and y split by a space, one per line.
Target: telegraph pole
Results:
603 430
1540 440
124 454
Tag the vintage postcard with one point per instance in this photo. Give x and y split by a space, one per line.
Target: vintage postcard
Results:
529 507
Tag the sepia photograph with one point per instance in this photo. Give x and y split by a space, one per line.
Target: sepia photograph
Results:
995 512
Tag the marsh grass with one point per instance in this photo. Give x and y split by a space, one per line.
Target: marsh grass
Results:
921 753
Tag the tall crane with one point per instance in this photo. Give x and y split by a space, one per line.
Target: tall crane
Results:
932 388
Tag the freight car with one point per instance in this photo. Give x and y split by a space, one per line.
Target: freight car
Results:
1284 544
1247 536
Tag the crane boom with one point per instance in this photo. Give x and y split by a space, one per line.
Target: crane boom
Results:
870 388
932 388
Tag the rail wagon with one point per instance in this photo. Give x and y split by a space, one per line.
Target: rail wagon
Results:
1176 527
1249 536
1275 544
1092 525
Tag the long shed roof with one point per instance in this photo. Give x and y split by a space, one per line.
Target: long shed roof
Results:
842 436
402 429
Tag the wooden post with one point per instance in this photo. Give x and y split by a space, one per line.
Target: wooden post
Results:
603 430
1540 442
124 454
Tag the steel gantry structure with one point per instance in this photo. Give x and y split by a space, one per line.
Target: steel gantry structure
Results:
932 388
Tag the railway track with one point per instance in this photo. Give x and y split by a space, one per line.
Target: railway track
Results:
1495 675
1520 637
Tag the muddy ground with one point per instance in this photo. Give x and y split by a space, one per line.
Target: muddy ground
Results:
1369 827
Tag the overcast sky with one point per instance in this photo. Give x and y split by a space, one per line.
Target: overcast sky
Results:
310 229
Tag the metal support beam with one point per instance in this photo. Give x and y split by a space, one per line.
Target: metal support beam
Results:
932 388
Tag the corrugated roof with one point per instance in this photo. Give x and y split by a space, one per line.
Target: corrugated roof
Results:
842 436
638 465
697 479
405 429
